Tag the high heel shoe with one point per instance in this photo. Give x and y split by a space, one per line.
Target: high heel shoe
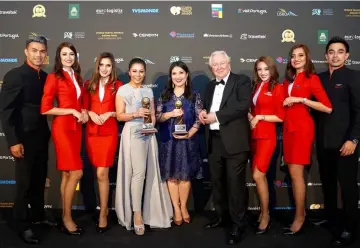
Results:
178 222
65 230
101 229
289 232
139 229
186 219
265 230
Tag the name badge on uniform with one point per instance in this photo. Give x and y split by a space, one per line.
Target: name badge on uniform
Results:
268 93
297 86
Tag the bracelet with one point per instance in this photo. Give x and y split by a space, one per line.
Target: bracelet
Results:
304 100
263 117
133 115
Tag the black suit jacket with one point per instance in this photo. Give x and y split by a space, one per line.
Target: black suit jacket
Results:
232 115
343 90
20 100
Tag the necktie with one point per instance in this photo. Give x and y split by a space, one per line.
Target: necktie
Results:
220 82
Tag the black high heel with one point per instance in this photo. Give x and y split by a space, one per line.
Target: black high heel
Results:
265 230
101 229
289 232
65 230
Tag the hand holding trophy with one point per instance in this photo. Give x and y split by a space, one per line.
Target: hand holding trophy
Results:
148 127
180 128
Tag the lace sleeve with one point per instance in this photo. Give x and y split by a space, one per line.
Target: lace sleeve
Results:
198 106
159 113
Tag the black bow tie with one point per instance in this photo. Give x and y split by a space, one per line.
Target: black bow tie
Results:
220 82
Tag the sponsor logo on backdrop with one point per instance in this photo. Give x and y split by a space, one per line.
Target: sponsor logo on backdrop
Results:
6 204
74 11
283 208
11 36
144 35
206 35
252 11
314 184
47 182
250 184
74 35
319 12
352 12
39 11
175 34
282 60
217 10
322 35
253 36
242 60
119 60
108 11
46 61
316 206
8 60
352 62
7 157
319 61
8 12
7 182
283 12
78 207
33 34
145 11
253 208
282 184
185 59
206 58
352 37
48 206
181 10
288 36
109 35
147 61
147 86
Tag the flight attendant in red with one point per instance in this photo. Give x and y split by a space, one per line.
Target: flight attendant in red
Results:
102 128
301 84
266 109
64 84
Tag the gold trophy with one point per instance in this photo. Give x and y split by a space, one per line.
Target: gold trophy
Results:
179 127
148 127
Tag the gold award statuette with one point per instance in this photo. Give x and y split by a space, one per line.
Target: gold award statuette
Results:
179 127
147 125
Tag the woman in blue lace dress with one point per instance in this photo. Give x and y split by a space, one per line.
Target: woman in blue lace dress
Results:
179 155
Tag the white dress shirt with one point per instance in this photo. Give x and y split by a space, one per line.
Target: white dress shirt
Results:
73 79
102 90
257 94
290 86
217 99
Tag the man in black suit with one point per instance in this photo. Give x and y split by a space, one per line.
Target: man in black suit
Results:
337 138
27 134
226 101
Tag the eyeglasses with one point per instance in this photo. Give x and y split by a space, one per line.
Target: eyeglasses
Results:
222 64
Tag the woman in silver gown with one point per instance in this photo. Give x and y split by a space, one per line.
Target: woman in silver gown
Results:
141 197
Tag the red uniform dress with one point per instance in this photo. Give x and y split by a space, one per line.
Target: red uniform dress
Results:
101 140
65 130
298 126
265 102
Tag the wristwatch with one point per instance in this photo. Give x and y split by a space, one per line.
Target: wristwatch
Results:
355 141
263 117
304 100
